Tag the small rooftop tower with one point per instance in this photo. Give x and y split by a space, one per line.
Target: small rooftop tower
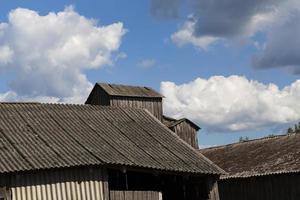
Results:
142 97
127 96
184 128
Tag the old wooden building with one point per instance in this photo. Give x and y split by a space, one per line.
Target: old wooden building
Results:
260 169
127 96
142 97
91 152
184 128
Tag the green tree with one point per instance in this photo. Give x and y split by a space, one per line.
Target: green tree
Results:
295 130
242 139
290 130
271 135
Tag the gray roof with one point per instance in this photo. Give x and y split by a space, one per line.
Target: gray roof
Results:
265 156
129 91
43 136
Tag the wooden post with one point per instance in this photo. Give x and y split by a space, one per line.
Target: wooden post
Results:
213 189
5 193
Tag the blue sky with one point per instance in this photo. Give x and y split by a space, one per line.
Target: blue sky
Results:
147 54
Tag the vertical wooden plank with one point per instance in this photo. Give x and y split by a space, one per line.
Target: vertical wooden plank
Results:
68 186
213 189
104 182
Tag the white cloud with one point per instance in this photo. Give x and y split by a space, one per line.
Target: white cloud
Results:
50 53
231 20
282 46
6 55
146 63
232 103
7 96
186 36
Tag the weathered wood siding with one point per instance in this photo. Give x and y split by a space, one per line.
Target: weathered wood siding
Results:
273 187
213 190
75 184
98 97
135 195
5 193
153 105
188 133
172 187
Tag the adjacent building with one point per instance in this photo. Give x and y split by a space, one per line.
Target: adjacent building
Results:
184 128
117 95
127 96
260 169
121 151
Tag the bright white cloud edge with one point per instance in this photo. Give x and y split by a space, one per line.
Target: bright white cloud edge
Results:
264 20
186 36
234 103
49 54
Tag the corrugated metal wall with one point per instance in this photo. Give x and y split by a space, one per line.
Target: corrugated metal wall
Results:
75 184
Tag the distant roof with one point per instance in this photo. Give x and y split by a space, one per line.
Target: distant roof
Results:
129 91
265 156
171 122
43 136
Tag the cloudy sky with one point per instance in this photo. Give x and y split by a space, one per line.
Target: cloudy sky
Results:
231 66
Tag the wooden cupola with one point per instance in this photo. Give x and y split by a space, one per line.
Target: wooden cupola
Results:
184 128
127 96
146 98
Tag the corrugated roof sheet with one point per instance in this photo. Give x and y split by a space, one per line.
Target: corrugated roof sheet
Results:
129 91
271 155
42 136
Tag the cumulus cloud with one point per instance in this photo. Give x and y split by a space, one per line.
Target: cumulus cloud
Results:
49 54
186 36
282 46
235 20
225 19
146 63
233 103
231 18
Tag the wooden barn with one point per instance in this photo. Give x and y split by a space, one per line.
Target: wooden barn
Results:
92 152
142 97
260 169
184 128
127 96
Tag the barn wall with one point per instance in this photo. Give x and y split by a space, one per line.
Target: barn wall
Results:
188 133
76 184
171 186
135 195
213 189
274 187
98 97
153 105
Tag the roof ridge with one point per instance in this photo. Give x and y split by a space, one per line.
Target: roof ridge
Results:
121 84
25 102
71 104
187 145
114 89
251 140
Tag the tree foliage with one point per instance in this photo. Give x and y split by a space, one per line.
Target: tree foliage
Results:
296 129
243 139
